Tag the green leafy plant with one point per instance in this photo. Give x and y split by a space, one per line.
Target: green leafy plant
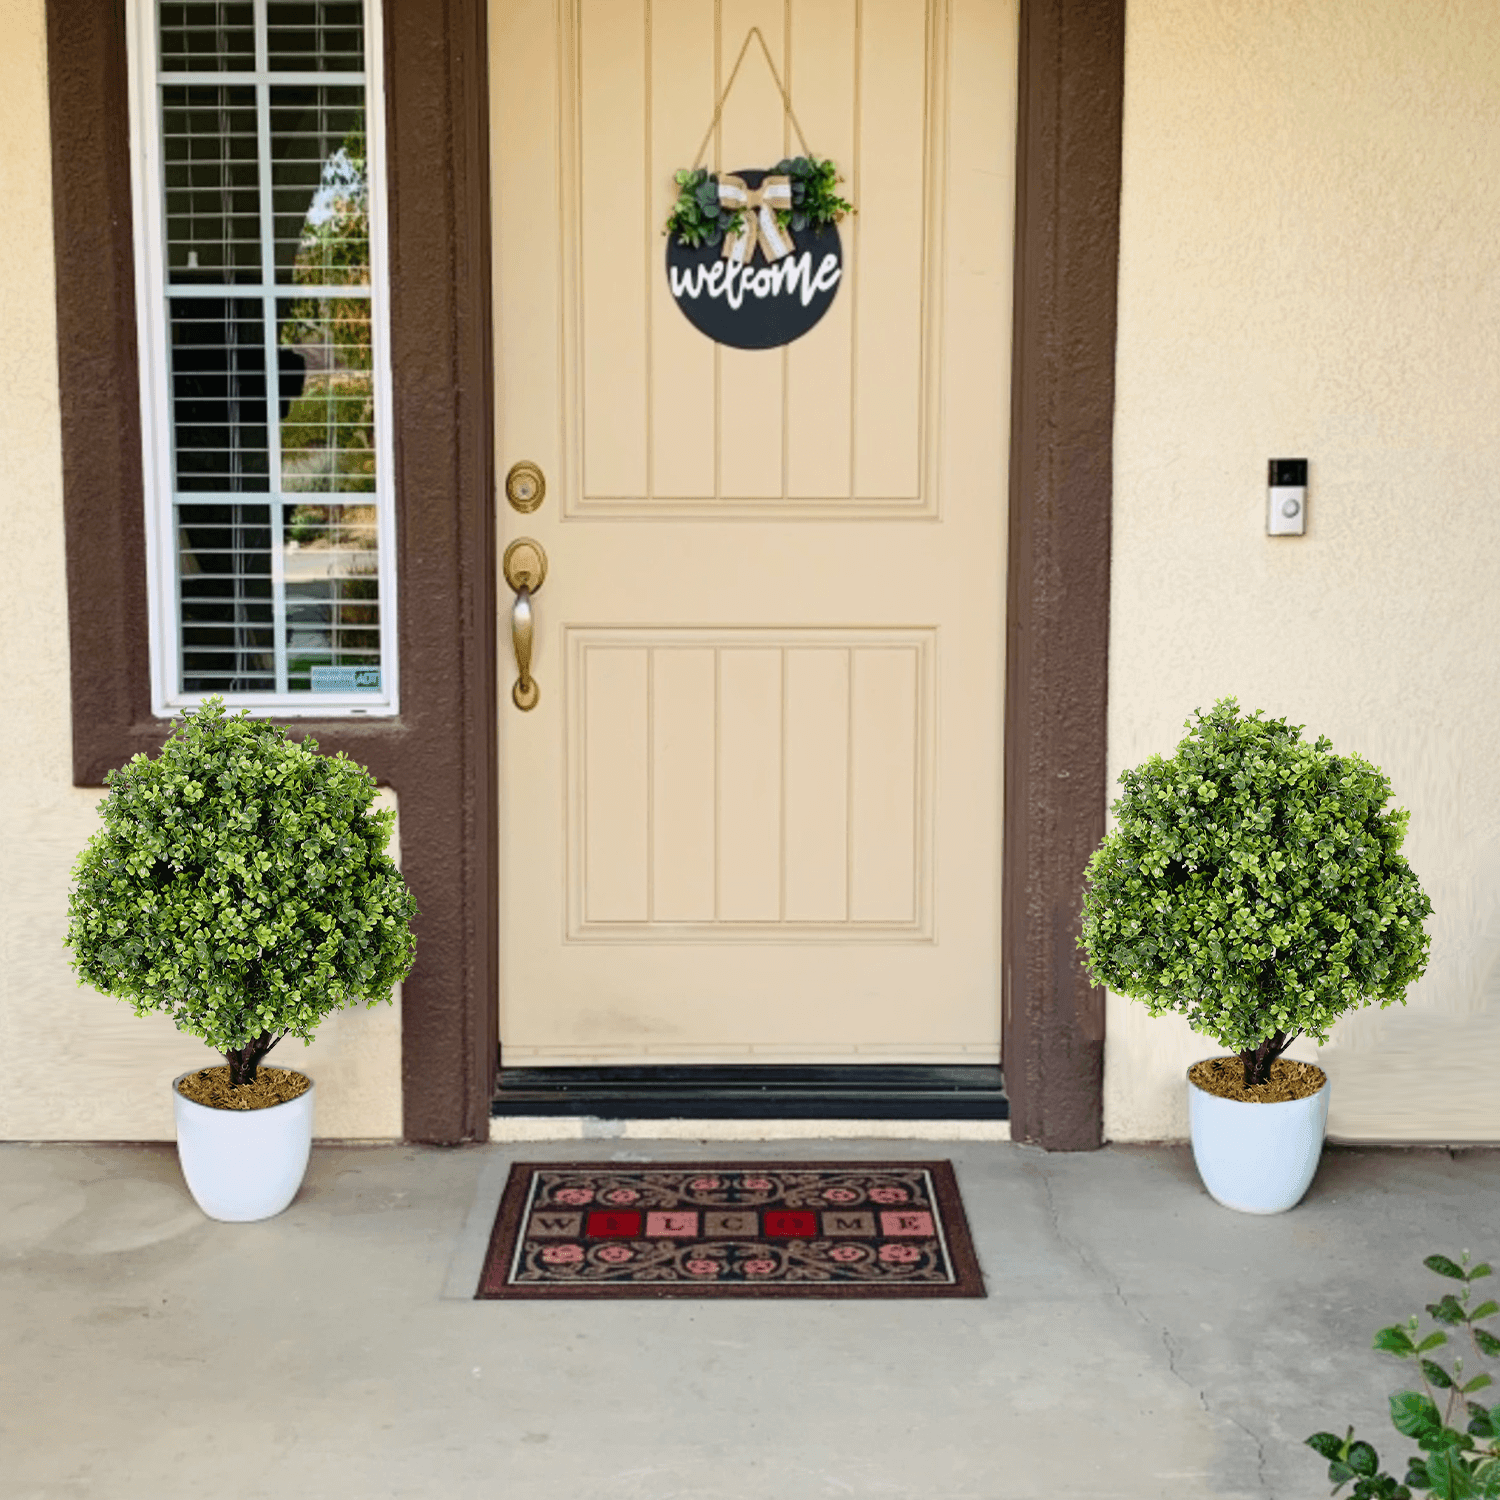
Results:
815 199
1455 1463
240 884
697 217
1254 883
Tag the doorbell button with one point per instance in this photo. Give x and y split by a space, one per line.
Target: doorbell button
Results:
1286 513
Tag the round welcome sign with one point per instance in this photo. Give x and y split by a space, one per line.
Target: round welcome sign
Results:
763 286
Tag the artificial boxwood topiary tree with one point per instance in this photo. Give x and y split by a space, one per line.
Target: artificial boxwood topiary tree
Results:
1255 884
241 885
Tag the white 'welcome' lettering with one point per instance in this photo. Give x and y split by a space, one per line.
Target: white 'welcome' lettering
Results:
792 276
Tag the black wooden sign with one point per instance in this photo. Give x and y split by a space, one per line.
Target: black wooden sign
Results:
768 287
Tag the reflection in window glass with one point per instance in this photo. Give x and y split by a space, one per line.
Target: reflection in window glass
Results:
328 430
332 591
319 186
266 189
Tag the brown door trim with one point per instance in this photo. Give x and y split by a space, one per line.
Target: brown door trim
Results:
1057 649
439 755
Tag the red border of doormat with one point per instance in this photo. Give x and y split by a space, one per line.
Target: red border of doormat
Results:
969 1283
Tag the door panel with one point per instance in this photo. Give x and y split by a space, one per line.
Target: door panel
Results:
756 810
749 785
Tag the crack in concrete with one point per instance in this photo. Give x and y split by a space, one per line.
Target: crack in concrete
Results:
1098 1273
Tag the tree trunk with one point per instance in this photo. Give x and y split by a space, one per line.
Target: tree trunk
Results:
1259 1059
244 1062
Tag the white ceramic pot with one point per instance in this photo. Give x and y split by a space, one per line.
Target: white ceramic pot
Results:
1258 1158
243 1164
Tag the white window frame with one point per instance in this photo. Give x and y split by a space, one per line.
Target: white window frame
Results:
151 293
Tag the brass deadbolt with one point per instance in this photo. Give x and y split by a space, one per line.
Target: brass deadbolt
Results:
525 487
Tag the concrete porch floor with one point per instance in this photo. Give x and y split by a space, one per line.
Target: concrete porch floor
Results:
1137 1340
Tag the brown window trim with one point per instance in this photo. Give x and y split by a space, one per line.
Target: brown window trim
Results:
440 755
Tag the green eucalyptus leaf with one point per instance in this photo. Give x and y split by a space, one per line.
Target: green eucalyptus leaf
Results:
1487 1341
1414 1414
1478 1383
1362 1459
1326 1444
1447 1309
1484 1310
1436 1375
1449 1478
1445 1267
1394 1340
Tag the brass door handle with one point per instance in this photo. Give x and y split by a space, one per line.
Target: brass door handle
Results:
525 568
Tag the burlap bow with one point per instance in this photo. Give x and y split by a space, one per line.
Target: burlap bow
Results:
758 205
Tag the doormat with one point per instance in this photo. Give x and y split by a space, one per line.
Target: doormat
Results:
731 1229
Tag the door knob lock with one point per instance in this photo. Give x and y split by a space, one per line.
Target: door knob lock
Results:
525 569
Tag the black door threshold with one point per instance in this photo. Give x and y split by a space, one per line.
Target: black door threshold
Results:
776 1092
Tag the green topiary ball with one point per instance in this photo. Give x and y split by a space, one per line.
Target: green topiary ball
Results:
1254 884
240 884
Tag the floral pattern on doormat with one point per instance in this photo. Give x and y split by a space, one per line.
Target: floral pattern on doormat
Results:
809 1229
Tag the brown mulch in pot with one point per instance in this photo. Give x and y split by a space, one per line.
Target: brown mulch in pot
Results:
211 1086
1225 1076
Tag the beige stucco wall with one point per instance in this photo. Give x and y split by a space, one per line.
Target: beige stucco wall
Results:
1308 269
76 1065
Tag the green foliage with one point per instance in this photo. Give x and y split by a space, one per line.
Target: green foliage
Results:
815 199
240 884
333 252
697 218
327 433
1254 883
1455 1463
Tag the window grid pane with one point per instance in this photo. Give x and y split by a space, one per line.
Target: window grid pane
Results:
324 36
319 186
270 177
204 36
211 177
228 637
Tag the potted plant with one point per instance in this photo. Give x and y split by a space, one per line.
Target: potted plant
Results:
240 884
1254 883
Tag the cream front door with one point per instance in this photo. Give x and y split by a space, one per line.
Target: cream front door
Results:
755 813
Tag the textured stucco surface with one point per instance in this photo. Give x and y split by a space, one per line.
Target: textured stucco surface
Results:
1308 270
76 1065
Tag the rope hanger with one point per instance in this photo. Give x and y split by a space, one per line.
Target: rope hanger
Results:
786 99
